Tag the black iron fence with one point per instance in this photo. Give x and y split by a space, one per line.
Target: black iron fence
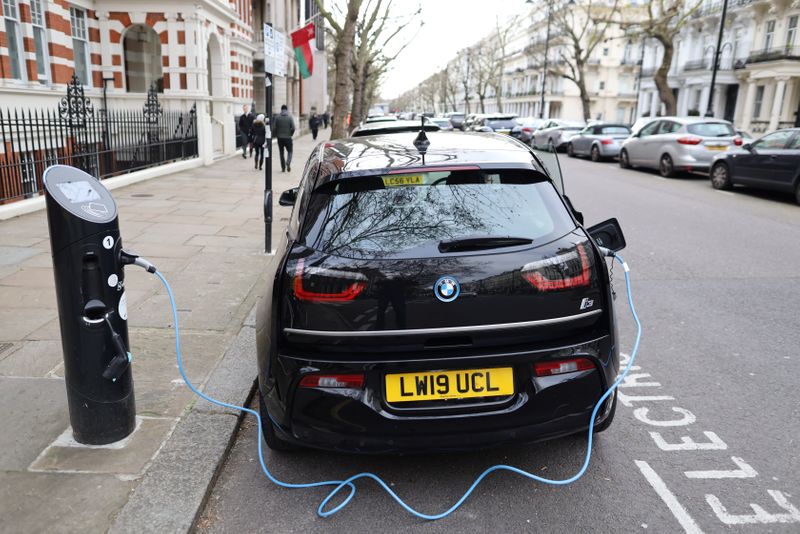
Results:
103 143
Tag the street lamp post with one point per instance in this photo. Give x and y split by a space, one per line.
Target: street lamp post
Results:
709 110
546 52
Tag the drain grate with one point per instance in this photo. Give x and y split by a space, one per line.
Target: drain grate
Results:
141 195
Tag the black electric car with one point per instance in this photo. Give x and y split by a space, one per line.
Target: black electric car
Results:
434 294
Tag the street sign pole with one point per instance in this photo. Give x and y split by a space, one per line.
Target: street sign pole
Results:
268 168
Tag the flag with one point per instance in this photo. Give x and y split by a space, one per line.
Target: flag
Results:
301 42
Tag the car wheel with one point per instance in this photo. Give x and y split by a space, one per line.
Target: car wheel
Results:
721 176
570 150
665 166
607 421
624 162
596 154
271 437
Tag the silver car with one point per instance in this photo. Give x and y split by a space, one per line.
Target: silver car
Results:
556 132
674 144
598 141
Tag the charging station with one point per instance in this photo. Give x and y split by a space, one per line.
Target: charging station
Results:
92 306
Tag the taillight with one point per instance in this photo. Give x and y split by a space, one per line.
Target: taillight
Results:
738 141
560 367
689 140
606 141
563 271
321 284
347 381
527 130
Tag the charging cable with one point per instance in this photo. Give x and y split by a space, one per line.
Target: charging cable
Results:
339 485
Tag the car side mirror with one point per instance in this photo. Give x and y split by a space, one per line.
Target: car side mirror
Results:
608 234
578 215
288 197
485 129
748 147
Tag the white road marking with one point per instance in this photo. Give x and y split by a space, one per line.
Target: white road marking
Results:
725 192
687 419
744 471
688 444
632 381
628 400
669 498
760 515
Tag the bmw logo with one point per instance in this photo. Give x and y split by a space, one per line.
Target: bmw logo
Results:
446 289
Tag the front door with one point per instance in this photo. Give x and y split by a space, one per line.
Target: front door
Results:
731 93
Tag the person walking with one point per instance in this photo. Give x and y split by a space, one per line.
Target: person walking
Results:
326 118
258 136
313 123
283 129
245 123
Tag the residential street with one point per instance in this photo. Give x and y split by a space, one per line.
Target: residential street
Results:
717 289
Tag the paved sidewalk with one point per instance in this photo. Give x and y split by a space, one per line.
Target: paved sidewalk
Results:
204 230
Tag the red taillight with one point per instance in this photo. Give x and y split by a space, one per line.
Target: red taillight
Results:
564 271
349 381
738 141
606 141
560 367
689 140
527 130
331 285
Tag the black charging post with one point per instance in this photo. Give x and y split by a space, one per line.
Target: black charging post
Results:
92 307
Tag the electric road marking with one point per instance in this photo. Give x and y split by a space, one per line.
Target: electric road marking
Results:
669 498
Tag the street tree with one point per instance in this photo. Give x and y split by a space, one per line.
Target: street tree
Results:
498 45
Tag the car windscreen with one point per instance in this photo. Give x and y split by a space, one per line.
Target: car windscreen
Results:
409 215
615 130
711 129
500 123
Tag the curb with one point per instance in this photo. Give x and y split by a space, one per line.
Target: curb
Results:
174 490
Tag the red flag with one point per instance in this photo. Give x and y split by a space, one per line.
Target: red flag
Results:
301 42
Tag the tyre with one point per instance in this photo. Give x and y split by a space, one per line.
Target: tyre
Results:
608 420
624 162
271 437
570 151
595 154
720 176
666 167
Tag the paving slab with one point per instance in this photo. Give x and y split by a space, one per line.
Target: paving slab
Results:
32 359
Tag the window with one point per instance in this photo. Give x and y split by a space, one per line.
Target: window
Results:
758 101
14 38
769 35
143 59
80 44
711 129
795 144
605 51
650 129
40 40
668 127
791 32
775 140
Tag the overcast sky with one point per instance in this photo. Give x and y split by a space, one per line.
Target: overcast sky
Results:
450 25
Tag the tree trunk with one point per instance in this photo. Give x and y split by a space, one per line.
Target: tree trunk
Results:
585 100
342 56
660 78
481 97
499 93
358 95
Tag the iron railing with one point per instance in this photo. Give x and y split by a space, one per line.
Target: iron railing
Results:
774 54
103 143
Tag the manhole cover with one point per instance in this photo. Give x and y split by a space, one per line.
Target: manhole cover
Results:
141 195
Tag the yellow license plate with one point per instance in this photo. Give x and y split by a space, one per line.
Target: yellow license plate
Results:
441 385
403 179
716 147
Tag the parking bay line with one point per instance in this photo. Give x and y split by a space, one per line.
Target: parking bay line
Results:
669 498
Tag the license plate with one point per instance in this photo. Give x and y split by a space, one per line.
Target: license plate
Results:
717 147
441 385
503 131
404 179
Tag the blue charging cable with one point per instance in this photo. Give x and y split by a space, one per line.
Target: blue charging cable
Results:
349 482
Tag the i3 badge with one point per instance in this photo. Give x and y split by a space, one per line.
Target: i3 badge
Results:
446 289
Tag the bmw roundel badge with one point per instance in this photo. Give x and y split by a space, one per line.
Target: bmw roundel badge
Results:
446 289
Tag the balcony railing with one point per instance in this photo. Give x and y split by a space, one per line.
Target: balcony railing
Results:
630 61
774 54
696 64
646 73
715 7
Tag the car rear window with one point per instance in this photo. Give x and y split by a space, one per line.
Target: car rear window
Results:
615 130
711 129
409 214
501 123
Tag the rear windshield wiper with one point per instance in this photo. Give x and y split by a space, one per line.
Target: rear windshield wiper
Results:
463 244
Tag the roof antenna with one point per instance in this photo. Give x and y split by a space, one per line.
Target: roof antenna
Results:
421 142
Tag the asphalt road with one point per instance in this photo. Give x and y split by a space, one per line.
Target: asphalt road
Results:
716 285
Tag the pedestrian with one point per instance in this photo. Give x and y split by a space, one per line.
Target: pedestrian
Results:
258 135
245 123
326 118
283 129
313 123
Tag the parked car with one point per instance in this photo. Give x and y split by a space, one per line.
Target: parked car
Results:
456 119
556 132
525 128
496 122
674 144
469 121
379 128
440 303
772 162
380 118
442 122
598 141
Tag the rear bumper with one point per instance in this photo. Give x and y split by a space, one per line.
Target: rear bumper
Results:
609 151
362 421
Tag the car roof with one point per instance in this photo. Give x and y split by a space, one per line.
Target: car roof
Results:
690 120
394 126
357 156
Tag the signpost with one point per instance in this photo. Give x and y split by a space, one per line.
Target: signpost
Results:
274 63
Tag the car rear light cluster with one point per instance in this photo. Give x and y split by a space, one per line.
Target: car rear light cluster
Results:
339 381
560 367
527 129
738 141
566 270
606 141
320 284
689 140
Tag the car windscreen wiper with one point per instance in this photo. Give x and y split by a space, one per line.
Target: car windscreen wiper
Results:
464 244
